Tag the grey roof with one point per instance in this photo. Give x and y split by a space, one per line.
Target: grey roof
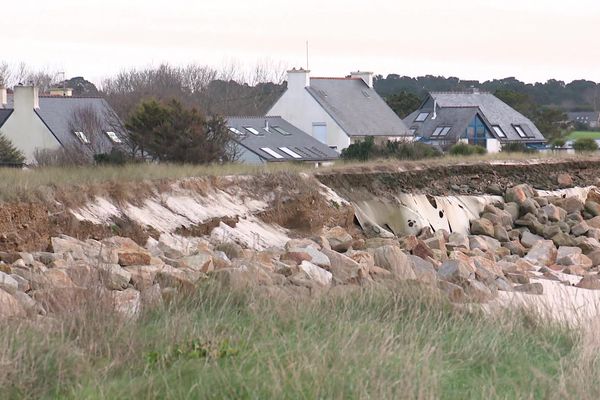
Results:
356 107
4 114
584 117
458 118
493 110
59 115
299 142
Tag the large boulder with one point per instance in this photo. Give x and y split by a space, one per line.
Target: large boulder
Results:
395 261
518 194
591 282
114 277
580 229
201 262
10 306
593 208
169 277
343 267
143 276
482 226
543 253
127 303
317 273
567 255
478 292
129 252
8 283
554 213
456 271
424 270
316 257
338 239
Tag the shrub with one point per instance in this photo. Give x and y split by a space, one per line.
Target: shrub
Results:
362 150
9 154
402 150
517 147
464 149
557 143
115 157
585 144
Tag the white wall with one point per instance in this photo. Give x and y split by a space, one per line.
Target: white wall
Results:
299 108
24 127
493 146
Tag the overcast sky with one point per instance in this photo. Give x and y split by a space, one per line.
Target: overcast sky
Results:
533 40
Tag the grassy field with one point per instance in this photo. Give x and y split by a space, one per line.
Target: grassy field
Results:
379 344
583 134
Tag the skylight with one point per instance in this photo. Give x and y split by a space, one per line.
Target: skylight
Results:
236 131
81 136
281 130
520 131
113 136
252 130
437 131
446 130
290 152
422 117
499 131
271 152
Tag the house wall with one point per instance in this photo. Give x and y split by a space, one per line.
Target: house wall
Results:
493 145
299 108
24 127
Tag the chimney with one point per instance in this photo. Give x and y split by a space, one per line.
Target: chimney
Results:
3 97
298 79
367 77
434 109
475 90
26 97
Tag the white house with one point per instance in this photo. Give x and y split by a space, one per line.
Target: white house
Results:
338 111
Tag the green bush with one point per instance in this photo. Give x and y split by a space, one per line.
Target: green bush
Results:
9 154
367 150
585 144
464 149
115 157
558 142
517 147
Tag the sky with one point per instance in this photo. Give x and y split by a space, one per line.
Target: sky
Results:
533 40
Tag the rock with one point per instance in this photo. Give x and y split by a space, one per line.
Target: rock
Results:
572 205
363 258
478 242
302 244
575 270
595 257
456 271
586 244
341 266
10 306
8 283
592 207
518 194
554 213
482 226
315 256
201 262
378 273
127 303
338 238
374 243
594 222
408 242
502 284
551 230
513 210
175 246
151 297
487 268
114 277
568 256
455 293
501 234
436 243
515 248
169 277
456 241
82 274
422 250
593 233
30 306
580 229
395 261
143 276
530 288
316 273
57 278
24 285
543 253
424 270
562 239
477 291
129 252
60 300
564 180
529 240
591 282
494 189
295 258
529 206
517 278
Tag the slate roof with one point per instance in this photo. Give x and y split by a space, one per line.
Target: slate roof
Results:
584 117
4 114
494 111
356 107
57 113
458 118
299 142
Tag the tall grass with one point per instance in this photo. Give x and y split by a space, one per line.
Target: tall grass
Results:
400 342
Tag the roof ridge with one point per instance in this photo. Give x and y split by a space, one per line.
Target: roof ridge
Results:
347 78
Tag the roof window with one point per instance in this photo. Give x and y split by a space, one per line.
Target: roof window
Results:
81 136
281 131
290 152
422 117
236 131
499 131
252 130
113 136
271 152
441 131
520 131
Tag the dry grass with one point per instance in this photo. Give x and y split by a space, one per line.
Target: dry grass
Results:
401 342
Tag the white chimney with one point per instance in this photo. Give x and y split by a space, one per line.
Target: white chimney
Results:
298 79
434 109
3 97
367 77
26 97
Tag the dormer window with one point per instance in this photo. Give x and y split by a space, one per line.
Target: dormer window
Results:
113 136
81 136
422 117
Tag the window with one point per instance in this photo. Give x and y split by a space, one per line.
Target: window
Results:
252 130
236 131
499 131
520 131
446 130
113 136
422 117
81 136
271 152
282 131
290 152
441 131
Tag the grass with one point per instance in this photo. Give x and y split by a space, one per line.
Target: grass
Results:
379 343
583 134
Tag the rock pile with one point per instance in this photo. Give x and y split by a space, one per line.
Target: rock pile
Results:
522 238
